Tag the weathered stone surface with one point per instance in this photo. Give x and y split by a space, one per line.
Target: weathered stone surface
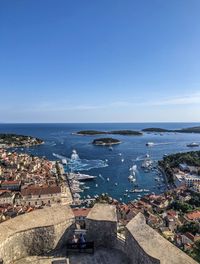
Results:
144 245
103 212
35 233
101 225
101 256
44 232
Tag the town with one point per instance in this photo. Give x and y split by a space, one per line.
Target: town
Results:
28 183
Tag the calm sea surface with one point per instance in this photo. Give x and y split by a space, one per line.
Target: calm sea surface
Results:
60 141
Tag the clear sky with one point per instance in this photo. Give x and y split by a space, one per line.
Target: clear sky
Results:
99 60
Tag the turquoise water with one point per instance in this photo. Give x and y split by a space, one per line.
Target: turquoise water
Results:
100 161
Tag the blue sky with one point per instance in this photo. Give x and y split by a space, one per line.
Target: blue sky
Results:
99 61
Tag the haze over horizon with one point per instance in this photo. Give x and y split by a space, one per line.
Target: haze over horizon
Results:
99 61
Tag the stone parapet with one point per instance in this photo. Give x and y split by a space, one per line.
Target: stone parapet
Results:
101 225
35 233
143 245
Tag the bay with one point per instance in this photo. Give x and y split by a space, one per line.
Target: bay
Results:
60 140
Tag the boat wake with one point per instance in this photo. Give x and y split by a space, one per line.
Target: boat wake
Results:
84 164
164 143
59 156
75 163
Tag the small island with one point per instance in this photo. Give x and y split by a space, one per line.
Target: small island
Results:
125 132
114 132
189 130
106 141
182 130
155 129
14 140
89 132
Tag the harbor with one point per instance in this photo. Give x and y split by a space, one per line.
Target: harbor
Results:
85 187
127 166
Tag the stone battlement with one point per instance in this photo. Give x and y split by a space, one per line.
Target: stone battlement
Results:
43 231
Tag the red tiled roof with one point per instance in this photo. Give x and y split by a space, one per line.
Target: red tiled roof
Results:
81 212
190 236
194 215
171 213
10 182
40 190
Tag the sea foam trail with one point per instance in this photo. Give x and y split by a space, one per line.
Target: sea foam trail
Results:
164 143
58 156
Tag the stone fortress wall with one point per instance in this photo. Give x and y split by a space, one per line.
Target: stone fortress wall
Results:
43 230
35 233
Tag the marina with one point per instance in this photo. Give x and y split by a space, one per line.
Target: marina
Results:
130 165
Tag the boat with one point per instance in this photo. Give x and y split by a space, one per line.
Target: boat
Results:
150 144
110 148
147 164
139 190
86 187
133 168
193 144
122 160
80 177
74 155
84 177
108 179
131 178
76 195
64 161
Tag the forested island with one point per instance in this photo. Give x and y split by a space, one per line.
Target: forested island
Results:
162 130
106 141
128 132
171 162
156 129
114 132
14 140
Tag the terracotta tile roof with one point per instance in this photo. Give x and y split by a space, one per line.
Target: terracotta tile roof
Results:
81 212
194 215
171 213
10 182
190 236
40 190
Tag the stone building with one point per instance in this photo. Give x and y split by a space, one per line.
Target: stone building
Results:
35 195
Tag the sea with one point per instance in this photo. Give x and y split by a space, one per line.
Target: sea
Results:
111 167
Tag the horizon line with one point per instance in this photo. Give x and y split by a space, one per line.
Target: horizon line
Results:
106 122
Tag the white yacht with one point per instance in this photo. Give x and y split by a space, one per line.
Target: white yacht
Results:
147 164
133 168
131 178
74 155
80 177
193 144
64 161
150 144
